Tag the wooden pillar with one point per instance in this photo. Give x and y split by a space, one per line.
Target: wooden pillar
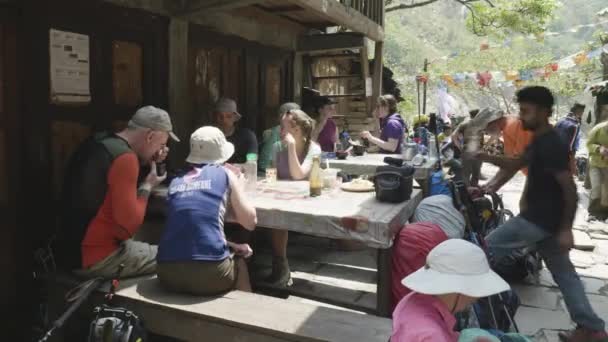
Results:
180 104
298 77
383 291
377 78
364 60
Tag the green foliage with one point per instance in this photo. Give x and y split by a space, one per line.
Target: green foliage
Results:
437 31
506 17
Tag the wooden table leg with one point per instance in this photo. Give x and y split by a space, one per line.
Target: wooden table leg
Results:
383 291
424 186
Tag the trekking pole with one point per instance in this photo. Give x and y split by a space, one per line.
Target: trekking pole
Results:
86 290
506 308
114 283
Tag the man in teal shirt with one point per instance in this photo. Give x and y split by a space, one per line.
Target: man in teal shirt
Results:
272 136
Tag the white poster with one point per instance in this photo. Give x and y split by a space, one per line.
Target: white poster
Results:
70 67
368 87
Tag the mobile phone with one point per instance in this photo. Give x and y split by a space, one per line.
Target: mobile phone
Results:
161 169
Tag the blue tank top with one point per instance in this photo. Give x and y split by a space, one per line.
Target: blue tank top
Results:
195 221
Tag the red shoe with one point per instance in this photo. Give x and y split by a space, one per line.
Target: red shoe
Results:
583 335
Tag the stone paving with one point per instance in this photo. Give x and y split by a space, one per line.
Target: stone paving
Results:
348 278
543 312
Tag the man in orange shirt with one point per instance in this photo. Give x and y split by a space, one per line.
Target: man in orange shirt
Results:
103 206
515 140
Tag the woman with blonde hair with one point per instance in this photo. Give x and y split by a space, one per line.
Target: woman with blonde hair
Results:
293 159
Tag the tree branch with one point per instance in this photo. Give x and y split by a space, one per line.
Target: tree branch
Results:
413 5
428 2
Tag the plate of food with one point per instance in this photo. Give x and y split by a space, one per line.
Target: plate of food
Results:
358 185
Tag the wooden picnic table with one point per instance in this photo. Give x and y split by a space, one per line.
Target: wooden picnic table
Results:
336 214
367 164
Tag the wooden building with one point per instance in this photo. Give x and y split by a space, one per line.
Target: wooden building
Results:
72 67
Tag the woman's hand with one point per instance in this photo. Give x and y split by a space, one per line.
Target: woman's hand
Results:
242 250
288 139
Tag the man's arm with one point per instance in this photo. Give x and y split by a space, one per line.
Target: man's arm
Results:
566 182
565 236
507 163
500 179
593 145
128 203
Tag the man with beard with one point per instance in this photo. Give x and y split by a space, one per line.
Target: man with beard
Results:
547 210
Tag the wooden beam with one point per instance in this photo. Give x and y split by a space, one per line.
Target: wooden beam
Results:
331 42
335 12
344 95
364 60
335 56
250 28
298 76
377 77
199 6
338 77
180 104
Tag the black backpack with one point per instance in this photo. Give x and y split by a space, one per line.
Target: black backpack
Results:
114 324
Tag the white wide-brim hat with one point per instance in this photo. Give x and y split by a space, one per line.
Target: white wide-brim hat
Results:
208 145
456 266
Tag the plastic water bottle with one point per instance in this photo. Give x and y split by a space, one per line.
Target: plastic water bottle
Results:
251 172
432 147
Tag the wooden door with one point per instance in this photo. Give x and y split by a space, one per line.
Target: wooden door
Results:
12 257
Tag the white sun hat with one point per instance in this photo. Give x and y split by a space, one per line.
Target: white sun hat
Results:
456 266
208 145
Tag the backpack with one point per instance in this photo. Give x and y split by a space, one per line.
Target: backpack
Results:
501 307
113 324
482 313
518 265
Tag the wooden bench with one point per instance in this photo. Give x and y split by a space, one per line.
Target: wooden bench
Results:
241 316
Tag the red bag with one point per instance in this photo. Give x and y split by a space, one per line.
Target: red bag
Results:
410 248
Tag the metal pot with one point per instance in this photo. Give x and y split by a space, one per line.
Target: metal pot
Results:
358 150
410 150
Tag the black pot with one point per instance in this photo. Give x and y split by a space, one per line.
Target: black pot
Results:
358 150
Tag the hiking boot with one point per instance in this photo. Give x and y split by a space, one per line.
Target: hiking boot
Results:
281 275
583 335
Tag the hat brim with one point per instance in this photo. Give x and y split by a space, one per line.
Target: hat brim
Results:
431 282
173 136
225 153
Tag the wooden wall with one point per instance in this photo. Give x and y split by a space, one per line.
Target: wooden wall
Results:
12 257
128 68
257 77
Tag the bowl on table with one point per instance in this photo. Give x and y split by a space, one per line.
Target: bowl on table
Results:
341 155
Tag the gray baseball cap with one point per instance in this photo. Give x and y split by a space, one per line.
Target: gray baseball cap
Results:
226 105
153 118
485 117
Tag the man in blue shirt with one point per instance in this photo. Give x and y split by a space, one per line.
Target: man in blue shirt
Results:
569 130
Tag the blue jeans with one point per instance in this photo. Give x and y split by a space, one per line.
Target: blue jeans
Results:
519 233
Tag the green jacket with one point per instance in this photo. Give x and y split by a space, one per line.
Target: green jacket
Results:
598 137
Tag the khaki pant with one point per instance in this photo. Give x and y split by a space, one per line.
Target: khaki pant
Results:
599 185
138 258
199 278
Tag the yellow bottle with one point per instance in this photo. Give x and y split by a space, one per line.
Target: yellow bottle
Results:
316 178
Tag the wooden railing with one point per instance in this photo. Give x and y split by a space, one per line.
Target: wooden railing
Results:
373 9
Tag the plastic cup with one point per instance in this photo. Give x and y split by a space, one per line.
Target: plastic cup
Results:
271 175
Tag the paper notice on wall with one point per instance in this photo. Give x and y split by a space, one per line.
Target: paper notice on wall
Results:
368 87
69 67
